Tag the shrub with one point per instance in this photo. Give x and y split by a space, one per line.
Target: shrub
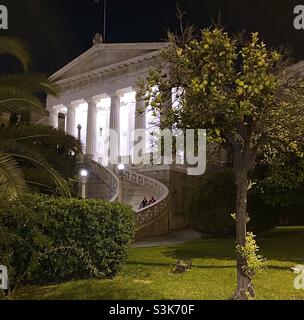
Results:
46 239
214 202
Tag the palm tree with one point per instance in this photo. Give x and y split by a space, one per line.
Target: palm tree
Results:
32 148
18 91
21 147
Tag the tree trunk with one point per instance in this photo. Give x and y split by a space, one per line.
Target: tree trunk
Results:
244 289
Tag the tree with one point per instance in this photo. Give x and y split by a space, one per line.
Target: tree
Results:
21 145
247 97
18 92
28 152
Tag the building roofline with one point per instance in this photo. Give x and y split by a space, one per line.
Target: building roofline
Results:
155 46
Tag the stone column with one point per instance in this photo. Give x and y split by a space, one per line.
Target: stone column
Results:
115 127
91 142
53 118
71 118
165 110
130 130
140 125
140 115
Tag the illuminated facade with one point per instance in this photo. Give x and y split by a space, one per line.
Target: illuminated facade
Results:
98 92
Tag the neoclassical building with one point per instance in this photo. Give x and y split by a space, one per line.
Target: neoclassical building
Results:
98 92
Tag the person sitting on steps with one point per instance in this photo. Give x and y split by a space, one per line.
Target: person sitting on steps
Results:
152 200
143 204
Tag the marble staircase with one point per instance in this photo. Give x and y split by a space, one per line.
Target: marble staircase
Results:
104 184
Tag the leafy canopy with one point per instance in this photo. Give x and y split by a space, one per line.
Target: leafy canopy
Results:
245 94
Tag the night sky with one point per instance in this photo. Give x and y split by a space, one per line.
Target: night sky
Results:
57 31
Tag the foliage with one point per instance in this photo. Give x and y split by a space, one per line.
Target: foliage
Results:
249 252
18 91
213 204
282 177
148 276
183 265
262 215
19 96
247 96
28 150
48 239
280 184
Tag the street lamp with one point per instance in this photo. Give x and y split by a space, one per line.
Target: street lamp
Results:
121 171
83 174
121 168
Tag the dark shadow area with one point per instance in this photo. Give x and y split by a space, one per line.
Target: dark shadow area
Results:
281 244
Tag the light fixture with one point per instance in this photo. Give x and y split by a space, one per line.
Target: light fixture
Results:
121 167
83 173
121 172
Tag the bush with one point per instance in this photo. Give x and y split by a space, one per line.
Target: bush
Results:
214 202
46 239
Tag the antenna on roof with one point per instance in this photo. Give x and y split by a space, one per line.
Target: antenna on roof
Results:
104 14
104 19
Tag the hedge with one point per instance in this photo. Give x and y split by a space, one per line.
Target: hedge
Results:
46 239
214 202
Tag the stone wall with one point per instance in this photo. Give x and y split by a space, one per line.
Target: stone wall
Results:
180 186
97 189
157 229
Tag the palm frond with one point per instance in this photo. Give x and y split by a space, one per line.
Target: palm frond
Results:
28 153
17 101
11 176
16 48
31 82
45 134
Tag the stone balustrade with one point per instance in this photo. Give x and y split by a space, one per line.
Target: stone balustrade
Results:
107 177
154 212
145 216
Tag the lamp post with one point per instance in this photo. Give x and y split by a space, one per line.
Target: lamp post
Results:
83 174
121 171
79 131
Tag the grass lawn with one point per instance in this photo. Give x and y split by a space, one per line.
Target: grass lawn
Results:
148 274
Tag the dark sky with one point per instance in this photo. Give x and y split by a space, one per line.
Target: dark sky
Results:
59 30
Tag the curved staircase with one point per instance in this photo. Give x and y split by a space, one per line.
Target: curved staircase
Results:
104 184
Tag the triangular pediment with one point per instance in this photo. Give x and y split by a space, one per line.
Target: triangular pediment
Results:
103 55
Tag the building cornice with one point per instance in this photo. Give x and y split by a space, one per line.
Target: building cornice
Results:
103 70
152 46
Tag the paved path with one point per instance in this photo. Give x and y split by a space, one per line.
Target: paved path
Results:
176 237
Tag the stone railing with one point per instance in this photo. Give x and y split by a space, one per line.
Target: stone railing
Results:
43 121
157 210
107 177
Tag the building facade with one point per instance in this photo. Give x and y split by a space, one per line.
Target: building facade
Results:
98 92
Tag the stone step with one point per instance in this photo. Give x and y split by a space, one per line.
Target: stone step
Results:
134 194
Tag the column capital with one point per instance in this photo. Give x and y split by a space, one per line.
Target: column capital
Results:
115 93
53 116
91 100
53 110
72 106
